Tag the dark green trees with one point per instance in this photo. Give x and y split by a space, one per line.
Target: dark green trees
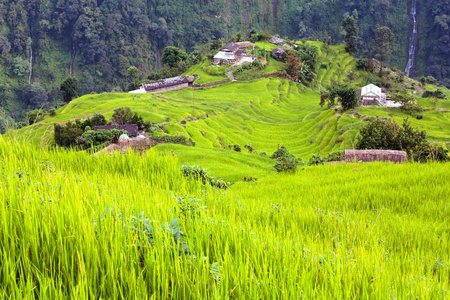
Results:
384 43
173 55
351 35
69 88
347 95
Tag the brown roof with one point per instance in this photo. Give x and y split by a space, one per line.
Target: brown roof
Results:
132 129
240 52
163 83
230 47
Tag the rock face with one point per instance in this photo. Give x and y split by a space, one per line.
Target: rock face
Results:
375 155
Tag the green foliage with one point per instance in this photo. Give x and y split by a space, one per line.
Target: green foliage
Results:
92 138
351 35
425 152
66 135
198 174
5 46
386 134
34 116
434 94
36 94
347 95
173 55
20 66
286 164
170 139
336 156
122 115
316 160
69 89
384 43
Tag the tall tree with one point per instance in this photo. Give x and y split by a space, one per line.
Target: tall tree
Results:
384 44
351 35
173 55
69 88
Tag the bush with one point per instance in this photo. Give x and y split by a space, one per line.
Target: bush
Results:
316 160
34 116
199 174
65 135
427 152
94 138
336 156
286 164
122 115
347 95
436 94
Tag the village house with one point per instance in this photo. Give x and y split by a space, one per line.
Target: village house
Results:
278 53
165 85
232 53
372 95
276 41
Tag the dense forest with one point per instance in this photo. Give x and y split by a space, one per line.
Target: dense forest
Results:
42 42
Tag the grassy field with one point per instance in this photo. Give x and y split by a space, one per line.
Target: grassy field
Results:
78 226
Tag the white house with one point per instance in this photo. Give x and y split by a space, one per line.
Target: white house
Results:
372 95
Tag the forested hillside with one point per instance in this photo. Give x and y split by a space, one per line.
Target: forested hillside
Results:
42 42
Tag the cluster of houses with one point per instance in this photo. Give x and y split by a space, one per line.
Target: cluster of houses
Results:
234 53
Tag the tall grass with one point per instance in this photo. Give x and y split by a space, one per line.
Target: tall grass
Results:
78 226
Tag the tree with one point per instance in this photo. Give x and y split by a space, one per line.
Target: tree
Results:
172 55
20 66
69 88
5 46
134 73
293 65
351 35
122 115
347 95
37 96
384 44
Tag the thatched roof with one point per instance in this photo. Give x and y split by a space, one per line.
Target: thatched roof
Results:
276 40
165 83
278 51
132 129
375 155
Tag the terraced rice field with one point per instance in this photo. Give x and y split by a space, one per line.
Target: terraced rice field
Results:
77 226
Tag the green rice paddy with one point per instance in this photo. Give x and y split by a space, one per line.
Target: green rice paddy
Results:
123 226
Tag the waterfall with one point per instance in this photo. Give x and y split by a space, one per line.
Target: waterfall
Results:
30 75
412 38
74 51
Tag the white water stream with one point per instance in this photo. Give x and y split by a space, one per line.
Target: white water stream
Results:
30 75
412 38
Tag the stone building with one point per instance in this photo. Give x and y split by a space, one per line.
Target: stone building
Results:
168 84
232 53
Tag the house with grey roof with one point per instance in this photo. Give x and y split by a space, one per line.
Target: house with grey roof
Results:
232 53
166 85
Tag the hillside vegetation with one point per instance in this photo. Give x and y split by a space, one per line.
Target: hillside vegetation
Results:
260 113
78 226
42 42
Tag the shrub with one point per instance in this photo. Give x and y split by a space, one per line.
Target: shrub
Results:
199 174
436 94
34 116
425 152
347 95
336 156
94 138
286 164
316 160
122 115
65 135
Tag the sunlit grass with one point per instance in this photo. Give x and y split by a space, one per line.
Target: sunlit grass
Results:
374 231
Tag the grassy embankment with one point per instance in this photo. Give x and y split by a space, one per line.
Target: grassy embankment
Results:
73 226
